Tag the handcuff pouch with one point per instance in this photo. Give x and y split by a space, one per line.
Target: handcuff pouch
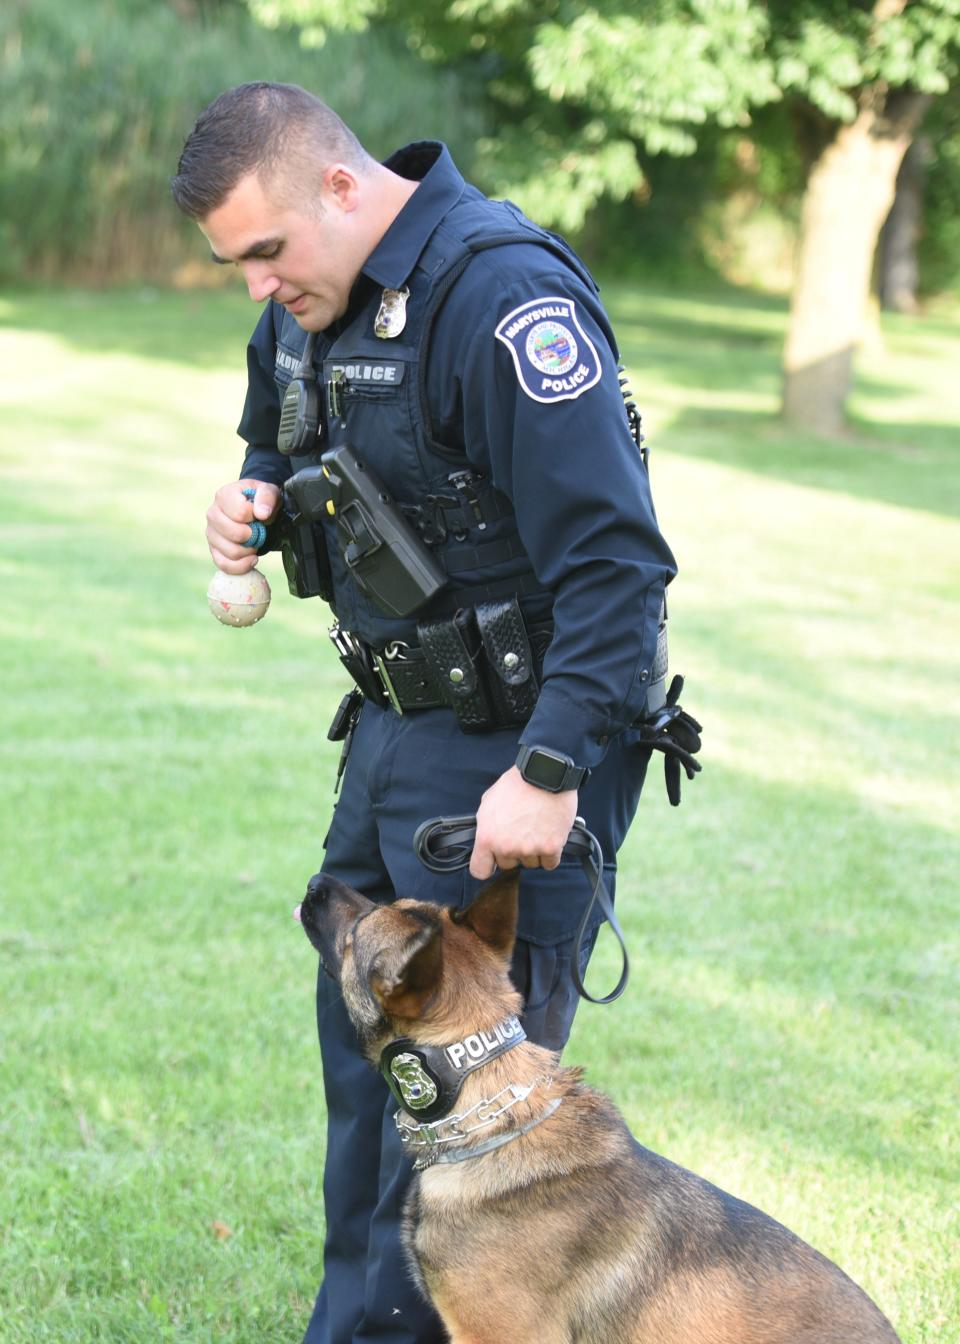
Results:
452 647
509 660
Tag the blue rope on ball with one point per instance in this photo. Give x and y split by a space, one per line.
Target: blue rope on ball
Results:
258 530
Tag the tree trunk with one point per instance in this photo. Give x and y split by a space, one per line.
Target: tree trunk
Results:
898 270
849 193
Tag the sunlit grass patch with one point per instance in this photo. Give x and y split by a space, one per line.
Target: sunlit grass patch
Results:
791 1024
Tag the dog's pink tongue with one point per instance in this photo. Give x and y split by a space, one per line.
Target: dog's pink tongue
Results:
296 914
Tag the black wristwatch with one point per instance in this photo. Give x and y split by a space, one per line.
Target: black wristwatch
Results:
550 770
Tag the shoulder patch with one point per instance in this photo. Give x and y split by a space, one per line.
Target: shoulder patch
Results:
554 357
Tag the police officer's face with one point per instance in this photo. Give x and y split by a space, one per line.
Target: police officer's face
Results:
305 258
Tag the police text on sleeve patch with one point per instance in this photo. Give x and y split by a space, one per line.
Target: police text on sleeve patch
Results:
554 357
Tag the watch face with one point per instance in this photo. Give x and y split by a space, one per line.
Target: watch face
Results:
545 770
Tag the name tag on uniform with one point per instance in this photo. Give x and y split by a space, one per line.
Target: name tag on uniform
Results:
366 373
554 357
286 363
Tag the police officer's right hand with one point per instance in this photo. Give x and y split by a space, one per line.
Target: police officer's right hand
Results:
229 518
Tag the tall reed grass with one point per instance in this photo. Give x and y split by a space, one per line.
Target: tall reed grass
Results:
97 98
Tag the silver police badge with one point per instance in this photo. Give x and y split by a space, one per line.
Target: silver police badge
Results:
416 1086
392 315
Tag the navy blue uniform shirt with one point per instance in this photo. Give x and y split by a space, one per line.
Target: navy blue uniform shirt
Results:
522 375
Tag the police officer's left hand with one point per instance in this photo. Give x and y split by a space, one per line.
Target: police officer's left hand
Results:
229 518
517 823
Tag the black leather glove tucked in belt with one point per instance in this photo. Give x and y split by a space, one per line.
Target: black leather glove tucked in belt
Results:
676 733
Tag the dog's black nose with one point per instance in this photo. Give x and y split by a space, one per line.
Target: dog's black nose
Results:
318 888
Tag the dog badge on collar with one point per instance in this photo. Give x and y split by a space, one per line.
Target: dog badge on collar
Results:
392 315
416 1086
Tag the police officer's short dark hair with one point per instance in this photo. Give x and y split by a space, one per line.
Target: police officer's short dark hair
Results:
278 131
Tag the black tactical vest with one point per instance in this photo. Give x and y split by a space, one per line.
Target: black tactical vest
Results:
375 401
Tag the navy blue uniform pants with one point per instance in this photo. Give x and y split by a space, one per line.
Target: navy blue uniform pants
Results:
403 770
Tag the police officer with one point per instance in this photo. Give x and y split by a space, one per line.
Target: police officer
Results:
461 353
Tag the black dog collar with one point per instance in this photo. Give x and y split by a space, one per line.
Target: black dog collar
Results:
426 1079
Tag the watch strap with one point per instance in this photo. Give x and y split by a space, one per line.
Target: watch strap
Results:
550 770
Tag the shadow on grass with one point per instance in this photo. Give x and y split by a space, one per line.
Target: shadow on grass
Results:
722 344
727 346
150 323
908 465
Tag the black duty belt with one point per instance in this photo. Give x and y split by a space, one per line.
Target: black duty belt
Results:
485 663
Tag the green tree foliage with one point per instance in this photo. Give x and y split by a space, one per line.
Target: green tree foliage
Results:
939 247
96 100
581 94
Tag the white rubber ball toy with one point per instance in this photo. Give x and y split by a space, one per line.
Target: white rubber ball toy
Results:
239 599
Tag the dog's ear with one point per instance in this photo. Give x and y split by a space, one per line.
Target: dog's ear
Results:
404 978
492 915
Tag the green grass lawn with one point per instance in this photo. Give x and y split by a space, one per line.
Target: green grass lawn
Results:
791 1026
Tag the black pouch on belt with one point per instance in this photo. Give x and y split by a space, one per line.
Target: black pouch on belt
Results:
512 673
452 649
358 661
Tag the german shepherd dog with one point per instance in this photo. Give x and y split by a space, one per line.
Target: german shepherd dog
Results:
534 1216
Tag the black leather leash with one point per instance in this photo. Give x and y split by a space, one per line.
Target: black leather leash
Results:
444 845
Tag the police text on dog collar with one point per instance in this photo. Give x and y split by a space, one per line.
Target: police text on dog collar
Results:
426 1079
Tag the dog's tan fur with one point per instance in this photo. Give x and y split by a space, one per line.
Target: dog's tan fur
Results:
571 1232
